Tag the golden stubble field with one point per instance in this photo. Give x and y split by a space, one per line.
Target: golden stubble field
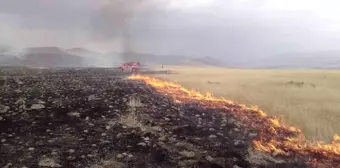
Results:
306 99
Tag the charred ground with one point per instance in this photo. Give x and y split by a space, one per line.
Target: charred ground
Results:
98 118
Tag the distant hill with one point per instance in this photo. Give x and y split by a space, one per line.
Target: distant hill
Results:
50 57
59 57
313 60
294 60
83 52
10 60
77 57
206 61
166 60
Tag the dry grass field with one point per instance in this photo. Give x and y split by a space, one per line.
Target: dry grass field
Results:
307 99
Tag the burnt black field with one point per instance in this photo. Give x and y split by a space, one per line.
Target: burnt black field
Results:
75 118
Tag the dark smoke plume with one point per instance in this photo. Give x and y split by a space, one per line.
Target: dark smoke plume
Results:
117 20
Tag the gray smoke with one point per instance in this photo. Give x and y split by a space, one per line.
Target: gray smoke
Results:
4 48
117 21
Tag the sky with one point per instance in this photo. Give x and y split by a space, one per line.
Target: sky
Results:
217 28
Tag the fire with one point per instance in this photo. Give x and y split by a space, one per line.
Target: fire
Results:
274 137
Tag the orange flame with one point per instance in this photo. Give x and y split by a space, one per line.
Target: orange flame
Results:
274 137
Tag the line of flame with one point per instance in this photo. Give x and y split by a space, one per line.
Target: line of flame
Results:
274 137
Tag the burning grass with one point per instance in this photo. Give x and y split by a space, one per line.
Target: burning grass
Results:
307 99
274 137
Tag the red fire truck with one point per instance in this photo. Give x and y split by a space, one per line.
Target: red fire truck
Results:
132 66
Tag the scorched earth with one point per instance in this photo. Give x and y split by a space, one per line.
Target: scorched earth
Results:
99 118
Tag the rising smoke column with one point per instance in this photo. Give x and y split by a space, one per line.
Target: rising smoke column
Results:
116 21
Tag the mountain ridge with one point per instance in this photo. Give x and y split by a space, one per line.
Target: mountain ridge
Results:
51 56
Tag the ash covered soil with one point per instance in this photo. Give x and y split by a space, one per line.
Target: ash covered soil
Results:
97 118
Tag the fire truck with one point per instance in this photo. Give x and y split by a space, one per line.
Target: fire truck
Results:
131 66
